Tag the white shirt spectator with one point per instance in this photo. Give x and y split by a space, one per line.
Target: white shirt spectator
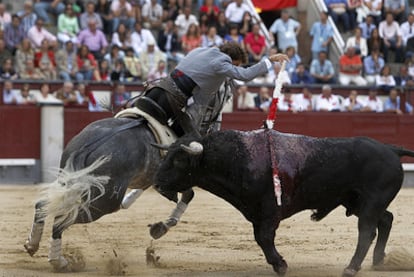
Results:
234 13
152 12
375 104
115 5
11 97
362 45
301 103
182 22
330 104
140 41
36 35
407 29
389 31
285 103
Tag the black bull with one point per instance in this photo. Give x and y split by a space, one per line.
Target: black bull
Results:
361 174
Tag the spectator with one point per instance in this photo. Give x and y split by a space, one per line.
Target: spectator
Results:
122 38
211 38
122 11
87 64
45 61
150 58
171 10
352 103
407 28
27 16
285 102
37 34
322 35
375 42
367 26
90 14
211 10
322 69
84 97
169 42
294 59
160 71
350 68
245 99
10 95
68 26
105 70
152 13
234 36
286 29
114 56
262 97
235 10
43 7
338 10
326 101
30 72
393 103
192 39
133 70
45 96
373 103
118 72
4 52
121 96
140 38
255 44
94 39
302 102
358 42
66 94
23 54
221 25
246 25
5 16
396 8
385 80
26 98
7 71
184 21
103 8
273 75
301 76
356 11
403 78
66 63
14 34
389 31
373 65
375 10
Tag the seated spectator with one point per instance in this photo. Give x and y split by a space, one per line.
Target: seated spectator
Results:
121 96
171 10
350 68
44 7
4 52
152 14
211 38
122 38
373 65
87 64
375 10
301 75
221 25
118 72
396 8
246 24
23 53
262 97
255 44
294 60
337 9
45 96
285 103
389 31
66 94
407 29
158 72
403 78
14 34
234 36
27 16
94 39
393 103
235 10
286 29
140 38
66 63
211 10
245 99
90 14
68 26
302 102
150 59
373 103
83 97
326 101
385 80
45 61
375 42
184 21
30 72
273 75
192 39
352 103
7 71
122 11
133 69
169 43
358 42
113 56
10 95
37 34
105 70
367 26
26 98
322 69
103 9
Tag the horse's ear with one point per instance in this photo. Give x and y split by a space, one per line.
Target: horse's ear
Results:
160 146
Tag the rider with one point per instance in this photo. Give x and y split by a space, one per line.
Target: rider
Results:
186 93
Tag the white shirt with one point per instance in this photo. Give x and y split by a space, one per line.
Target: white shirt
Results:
235 13
357 107
407 31
152 12
330 104
12 96
140 41
182 23
36 36
362 46
246 102
300 103
389 31
284 104
375 104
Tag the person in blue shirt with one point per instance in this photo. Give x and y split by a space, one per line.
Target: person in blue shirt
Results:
392 103
301 76
322 69
322 35
286 30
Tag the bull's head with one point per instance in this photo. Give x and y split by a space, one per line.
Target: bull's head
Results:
178 170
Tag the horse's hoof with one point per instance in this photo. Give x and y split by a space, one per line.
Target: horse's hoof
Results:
60 264
281 268
31 249
157 230
349 272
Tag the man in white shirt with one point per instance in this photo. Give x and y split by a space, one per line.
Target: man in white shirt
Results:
302 102
407 28
37 34
184 20
389 30
235 11
373 103
10 95
326 101
245 99
140 38
152 15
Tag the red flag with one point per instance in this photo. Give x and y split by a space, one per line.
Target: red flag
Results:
272 5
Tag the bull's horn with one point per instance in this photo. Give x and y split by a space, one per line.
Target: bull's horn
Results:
195 148
160 146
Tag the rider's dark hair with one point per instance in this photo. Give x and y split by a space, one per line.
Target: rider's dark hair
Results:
234 50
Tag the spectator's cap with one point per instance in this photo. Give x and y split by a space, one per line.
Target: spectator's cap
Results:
151 42
326 87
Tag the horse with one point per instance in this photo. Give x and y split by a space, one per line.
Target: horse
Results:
97 167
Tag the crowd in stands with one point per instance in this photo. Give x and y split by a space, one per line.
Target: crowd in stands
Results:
142 40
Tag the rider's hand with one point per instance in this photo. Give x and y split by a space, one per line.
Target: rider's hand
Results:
279 58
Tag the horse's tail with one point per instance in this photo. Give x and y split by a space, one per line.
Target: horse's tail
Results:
72 192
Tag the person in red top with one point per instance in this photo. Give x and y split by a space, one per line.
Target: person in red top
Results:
255 44
44 60
350 67
211 11
87 64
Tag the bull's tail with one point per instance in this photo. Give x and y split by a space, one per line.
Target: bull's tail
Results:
71 192
401 151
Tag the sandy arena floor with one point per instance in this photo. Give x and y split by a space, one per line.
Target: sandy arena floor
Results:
213 239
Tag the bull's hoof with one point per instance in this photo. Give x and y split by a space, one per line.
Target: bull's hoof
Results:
157 230
280 268
31 249
349 272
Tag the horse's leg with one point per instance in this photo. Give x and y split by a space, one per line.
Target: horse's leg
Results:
55 256
32 243
130 198
159 229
